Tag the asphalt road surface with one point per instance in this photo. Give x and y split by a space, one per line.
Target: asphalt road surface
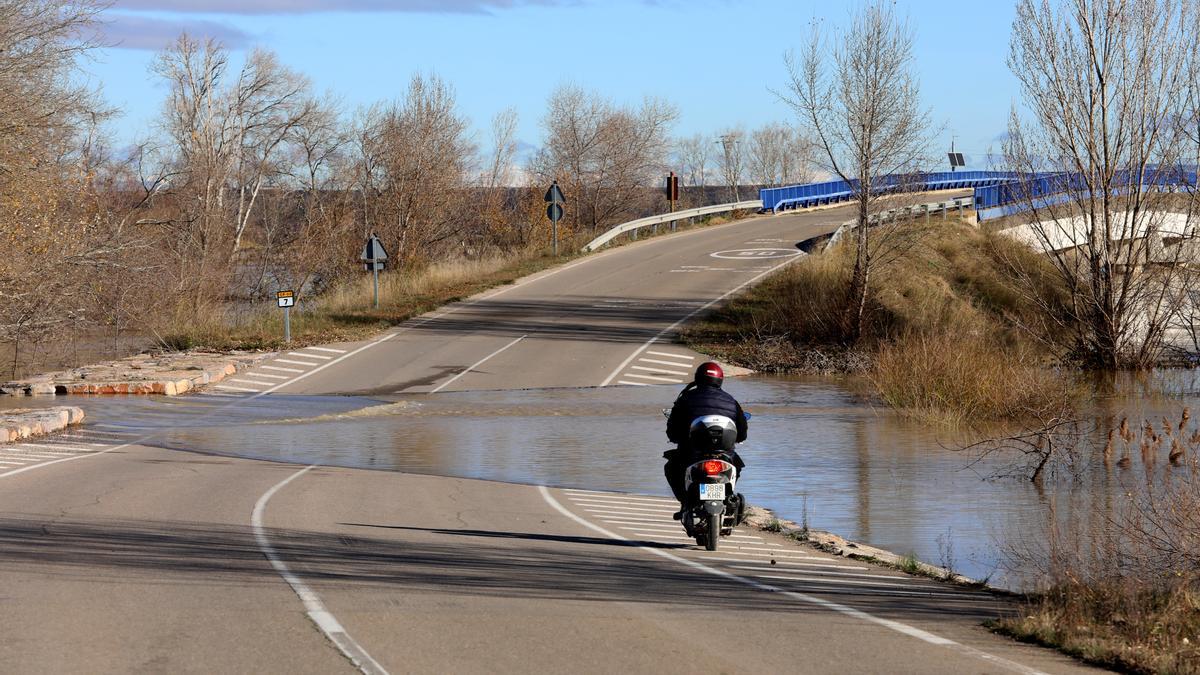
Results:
118 556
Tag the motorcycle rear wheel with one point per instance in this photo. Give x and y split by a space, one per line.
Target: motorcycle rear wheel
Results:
714 531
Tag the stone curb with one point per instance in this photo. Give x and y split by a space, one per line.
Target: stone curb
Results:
16 425
763 519
166 375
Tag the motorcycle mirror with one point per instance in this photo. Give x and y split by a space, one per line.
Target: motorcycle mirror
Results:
666 412
747 415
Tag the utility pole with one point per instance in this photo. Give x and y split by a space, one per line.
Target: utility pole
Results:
728 140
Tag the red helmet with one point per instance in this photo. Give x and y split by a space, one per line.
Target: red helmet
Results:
710 373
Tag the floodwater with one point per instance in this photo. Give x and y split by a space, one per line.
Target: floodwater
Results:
816 453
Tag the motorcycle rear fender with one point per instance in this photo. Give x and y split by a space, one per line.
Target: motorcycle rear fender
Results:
714 507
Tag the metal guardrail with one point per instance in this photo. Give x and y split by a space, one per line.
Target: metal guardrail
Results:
828 192
915 210
634 225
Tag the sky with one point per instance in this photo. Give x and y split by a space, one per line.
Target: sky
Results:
716 60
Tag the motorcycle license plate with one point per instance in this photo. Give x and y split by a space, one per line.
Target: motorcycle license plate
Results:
712 491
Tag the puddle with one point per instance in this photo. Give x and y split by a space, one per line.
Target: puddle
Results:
814 452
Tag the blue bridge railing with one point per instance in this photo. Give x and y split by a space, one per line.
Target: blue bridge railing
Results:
996 192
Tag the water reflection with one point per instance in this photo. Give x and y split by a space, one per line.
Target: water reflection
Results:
816 452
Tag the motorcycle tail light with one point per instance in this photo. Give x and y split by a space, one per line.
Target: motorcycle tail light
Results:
713 467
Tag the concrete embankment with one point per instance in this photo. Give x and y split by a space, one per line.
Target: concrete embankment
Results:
168 374
16 425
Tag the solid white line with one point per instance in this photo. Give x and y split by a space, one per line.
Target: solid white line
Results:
633 384
326 349
664 371
297 363
670 380
478 363
228 387
311 356
669 355
637 352
273 377
264 384
326 622
897 626
282 370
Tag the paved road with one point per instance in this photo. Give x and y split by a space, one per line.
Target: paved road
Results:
118 556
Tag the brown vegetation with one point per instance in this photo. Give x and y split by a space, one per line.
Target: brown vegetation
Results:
945 336
1124 582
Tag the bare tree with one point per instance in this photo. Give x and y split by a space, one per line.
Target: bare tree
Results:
603 155
694 154
859 100
1112 89
779 155
732 160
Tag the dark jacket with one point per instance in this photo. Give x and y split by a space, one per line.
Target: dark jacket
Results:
697 400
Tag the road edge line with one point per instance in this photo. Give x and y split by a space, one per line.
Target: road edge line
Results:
475 365
316 611
903 628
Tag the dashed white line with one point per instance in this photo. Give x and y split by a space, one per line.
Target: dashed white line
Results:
662 371
271 377
655 378
311 356
662 363
297 363
227 387
671 356
633 384
282 370
331 350
258 382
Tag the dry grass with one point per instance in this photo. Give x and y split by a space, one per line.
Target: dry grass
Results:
1124 582
345 313
949 336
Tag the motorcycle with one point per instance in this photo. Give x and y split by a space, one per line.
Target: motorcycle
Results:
713 507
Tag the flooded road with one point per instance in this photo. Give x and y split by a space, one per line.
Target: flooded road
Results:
816 454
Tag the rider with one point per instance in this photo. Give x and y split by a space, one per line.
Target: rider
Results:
703 396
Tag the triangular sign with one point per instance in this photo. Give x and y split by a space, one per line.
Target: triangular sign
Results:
374 250
555 195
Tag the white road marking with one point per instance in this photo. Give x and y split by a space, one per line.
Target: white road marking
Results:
258 382
633 384
227 387
272 377
107 433
671 380
774 569
282 370
897 626
324 620
612 510
662 371
311 356
669 355
475 365
798 564
297 363
330 350
623 499
47 446
637 352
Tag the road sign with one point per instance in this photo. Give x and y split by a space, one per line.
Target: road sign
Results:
373 257
673 187
554 212
373 251
286 300
555 195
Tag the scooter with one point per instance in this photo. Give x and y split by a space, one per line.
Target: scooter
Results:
713 506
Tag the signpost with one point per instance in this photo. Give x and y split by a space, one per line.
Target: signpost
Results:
672 195
374 257
554 210
286 300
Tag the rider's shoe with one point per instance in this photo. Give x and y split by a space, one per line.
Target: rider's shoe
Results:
678 515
